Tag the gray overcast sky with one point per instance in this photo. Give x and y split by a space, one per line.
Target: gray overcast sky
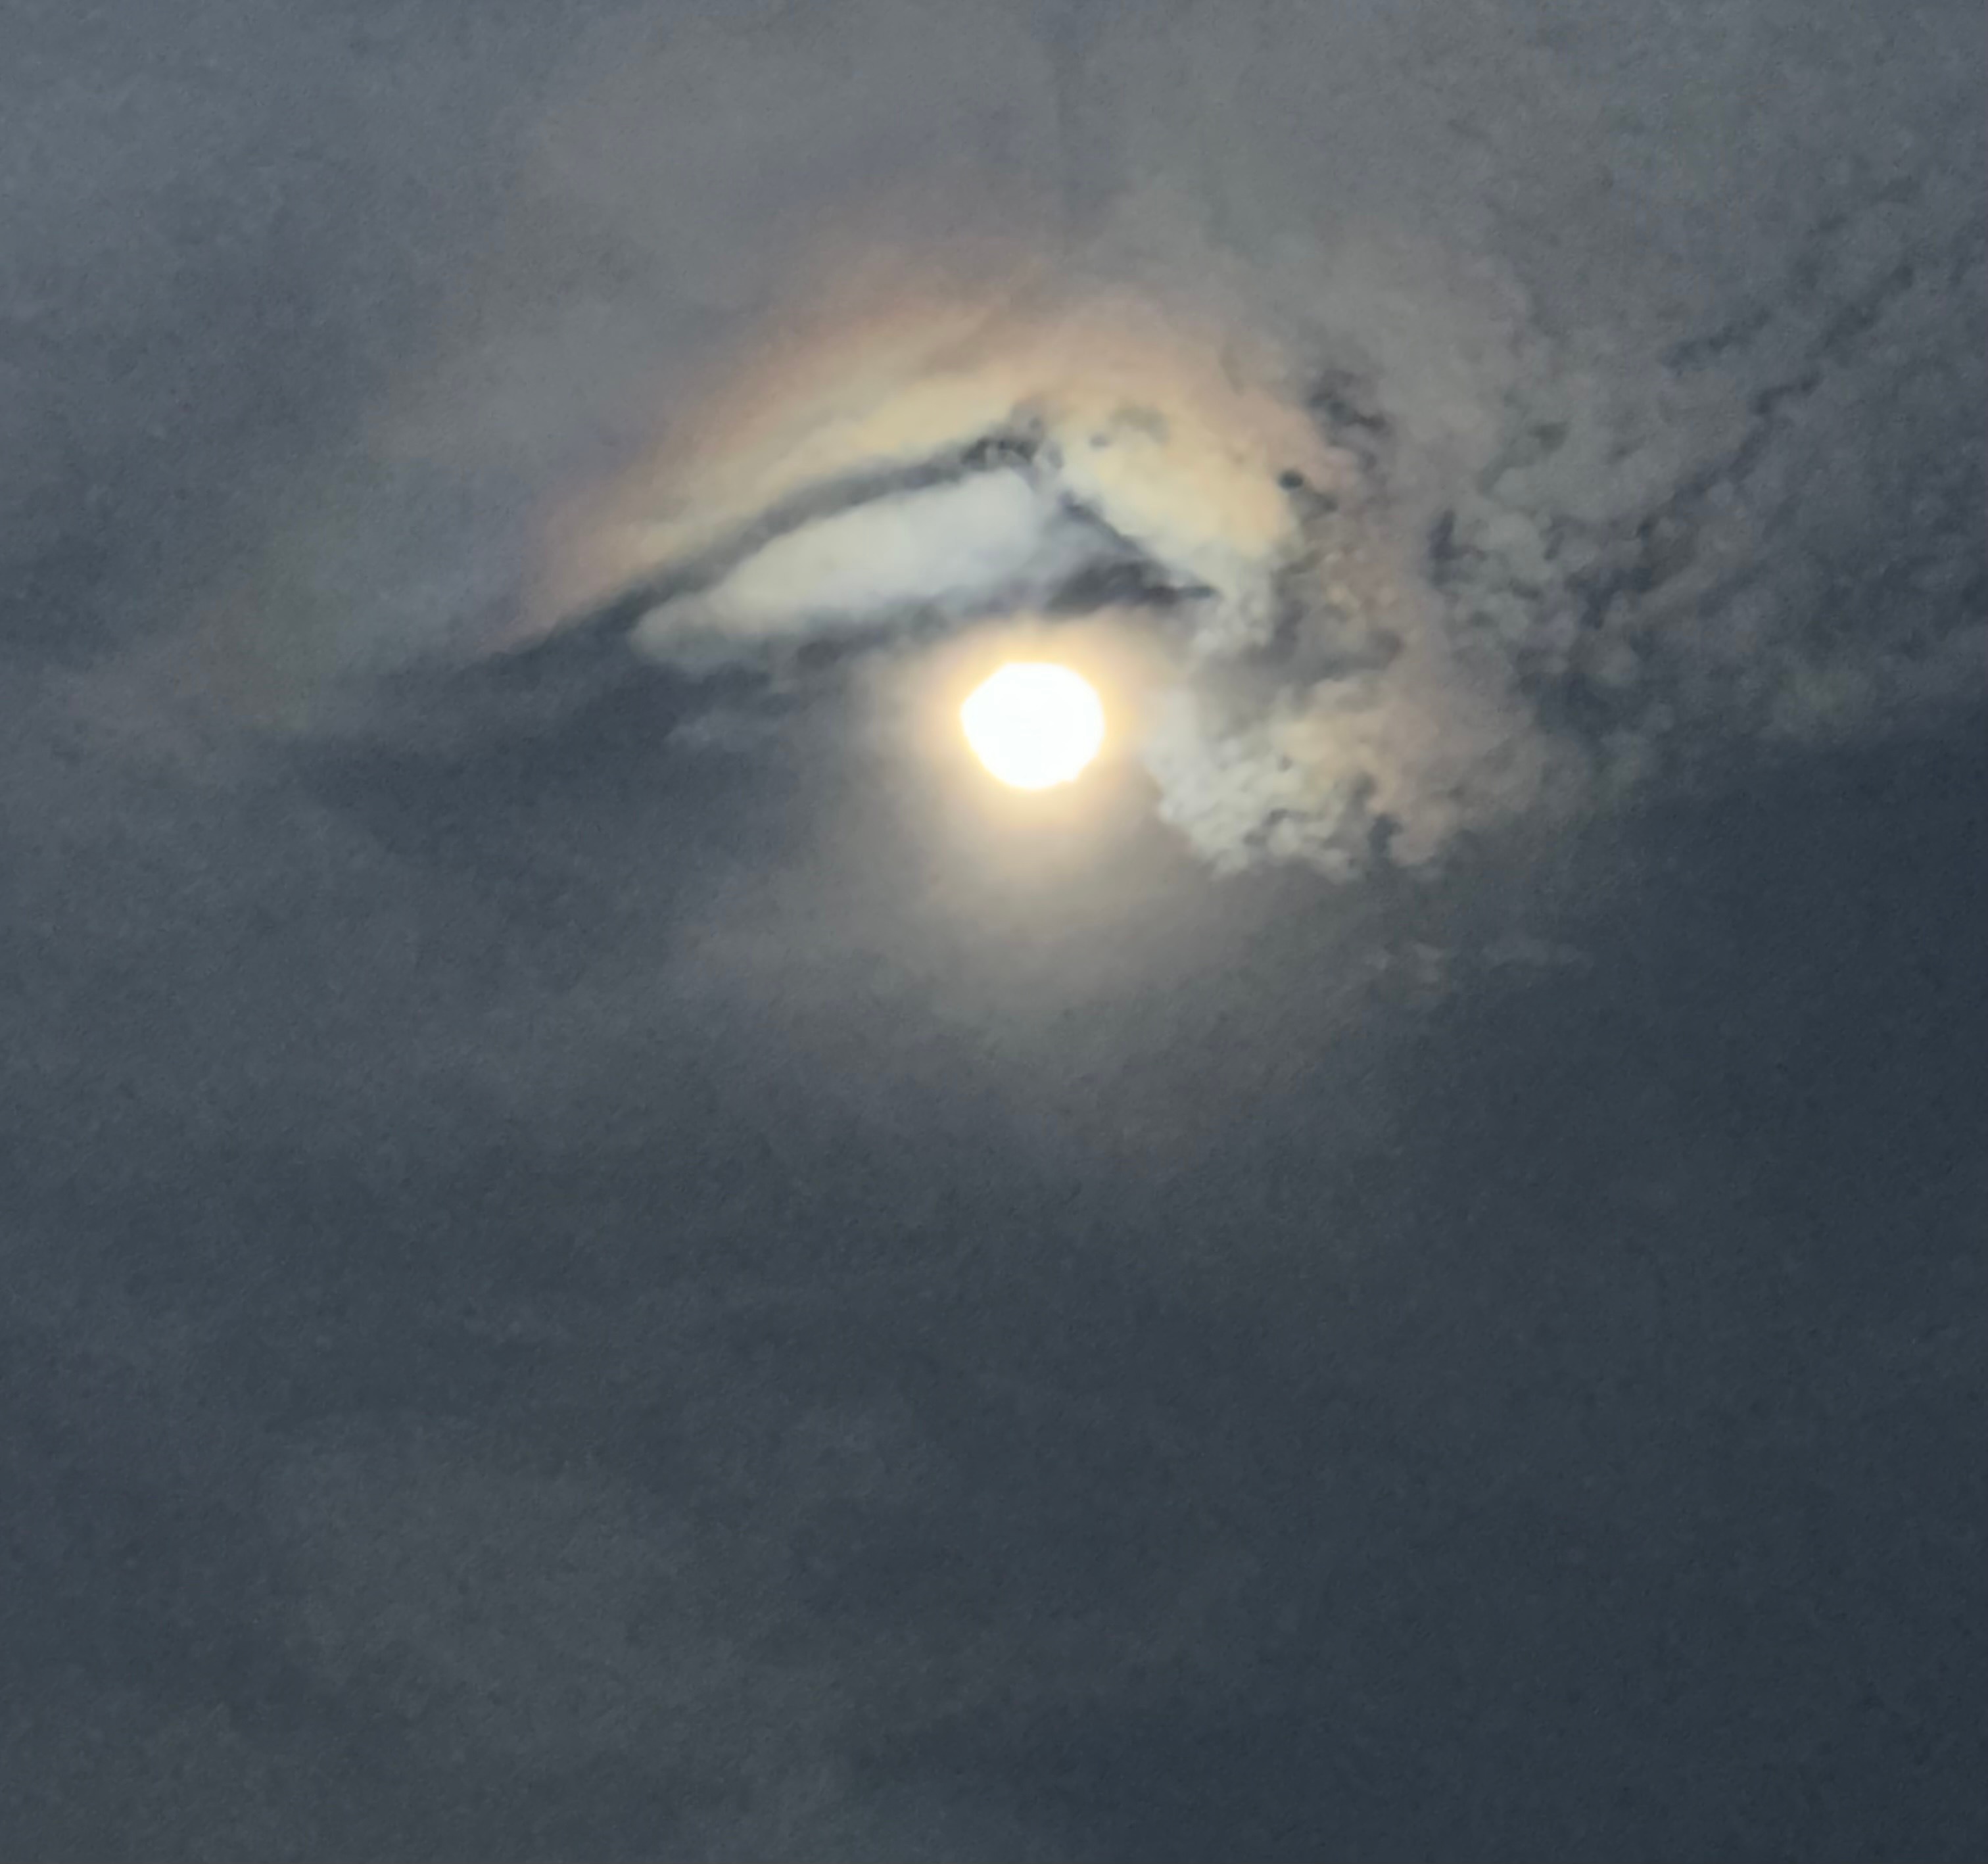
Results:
605 1262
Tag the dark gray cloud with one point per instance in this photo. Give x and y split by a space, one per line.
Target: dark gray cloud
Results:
602 1256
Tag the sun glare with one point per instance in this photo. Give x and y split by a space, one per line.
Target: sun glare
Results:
1034 725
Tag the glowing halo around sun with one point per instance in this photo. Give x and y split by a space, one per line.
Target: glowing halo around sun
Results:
1034 725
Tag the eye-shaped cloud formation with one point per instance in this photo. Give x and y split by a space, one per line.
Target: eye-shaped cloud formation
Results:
1060 455
1419 556
1371 654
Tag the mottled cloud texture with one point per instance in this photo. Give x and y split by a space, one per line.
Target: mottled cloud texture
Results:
1435 530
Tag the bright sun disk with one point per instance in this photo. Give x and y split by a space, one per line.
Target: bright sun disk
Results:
1034 725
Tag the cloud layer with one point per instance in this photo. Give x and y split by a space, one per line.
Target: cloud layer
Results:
1441 522
1393 619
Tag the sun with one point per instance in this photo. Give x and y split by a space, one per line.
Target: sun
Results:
1034 725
